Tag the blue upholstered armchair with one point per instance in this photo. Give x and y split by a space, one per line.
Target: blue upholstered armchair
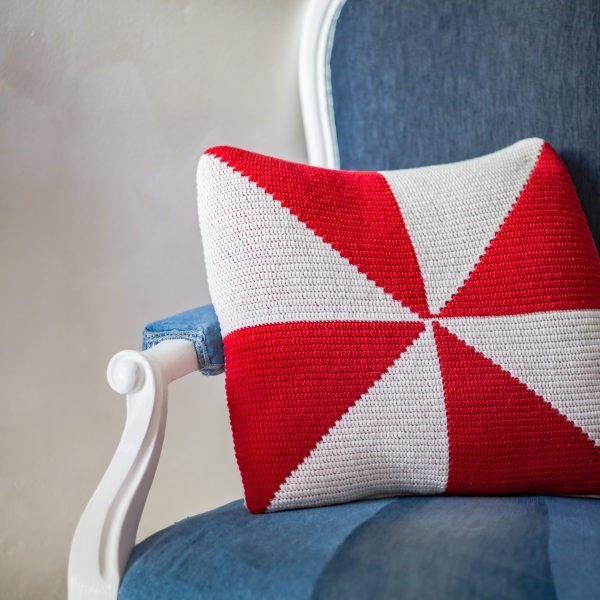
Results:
384 84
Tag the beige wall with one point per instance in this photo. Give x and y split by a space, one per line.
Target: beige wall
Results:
105 108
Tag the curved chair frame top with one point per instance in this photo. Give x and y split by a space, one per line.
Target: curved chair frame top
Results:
314 79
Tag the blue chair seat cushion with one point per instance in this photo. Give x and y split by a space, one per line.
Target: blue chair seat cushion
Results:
413 547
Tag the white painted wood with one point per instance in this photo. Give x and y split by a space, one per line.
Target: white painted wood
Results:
314 80
106 531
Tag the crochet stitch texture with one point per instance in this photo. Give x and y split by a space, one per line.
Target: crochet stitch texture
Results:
422 331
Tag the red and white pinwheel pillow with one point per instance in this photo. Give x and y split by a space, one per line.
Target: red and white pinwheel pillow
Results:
424 331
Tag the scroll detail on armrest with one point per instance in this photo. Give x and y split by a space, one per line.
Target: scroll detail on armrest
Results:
106 531
200 326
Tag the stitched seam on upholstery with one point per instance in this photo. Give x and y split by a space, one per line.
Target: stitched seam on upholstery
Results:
548 536
342 542
197 337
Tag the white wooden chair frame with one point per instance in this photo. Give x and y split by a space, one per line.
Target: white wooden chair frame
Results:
107 529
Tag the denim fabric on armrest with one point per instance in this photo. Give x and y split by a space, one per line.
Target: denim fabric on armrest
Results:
199 325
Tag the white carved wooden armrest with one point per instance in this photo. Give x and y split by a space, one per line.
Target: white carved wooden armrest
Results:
106 531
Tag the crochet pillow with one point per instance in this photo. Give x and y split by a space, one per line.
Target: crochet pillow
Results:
424 331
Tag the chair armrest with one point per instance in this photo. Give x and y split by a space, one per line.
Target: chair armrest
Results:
106 531
200 326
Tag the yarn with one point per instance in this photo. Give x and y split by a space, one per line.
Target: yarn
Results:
421 331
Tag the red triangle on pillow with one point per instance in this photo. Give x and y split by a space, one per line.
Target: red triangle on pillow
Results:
354 212
503 437
543 258
309 377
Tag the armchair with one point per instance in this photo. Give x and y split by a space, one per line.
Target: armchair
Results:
384 84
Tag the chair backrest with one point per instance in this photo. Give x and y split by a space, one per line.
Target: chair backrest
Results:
416 82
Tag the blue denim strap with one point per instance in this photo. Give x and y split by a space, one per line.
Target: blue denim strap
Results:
200 326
